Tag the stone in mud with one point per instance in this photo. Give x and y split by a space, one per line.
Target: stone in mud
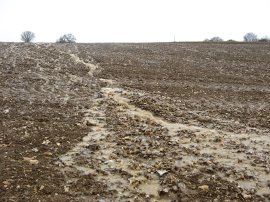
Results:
163 192
162 172
181 186
88 123
45 142
7 183
175 188
6 111
31 160
204 187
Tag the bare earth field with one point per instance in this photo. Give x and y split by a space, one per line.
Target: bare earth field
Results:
135 122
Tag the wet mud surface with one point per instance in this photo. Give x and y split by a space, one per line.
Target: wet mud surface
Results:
135 122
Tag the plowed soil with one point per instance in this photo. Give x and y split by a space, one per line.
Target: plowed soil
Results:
135 122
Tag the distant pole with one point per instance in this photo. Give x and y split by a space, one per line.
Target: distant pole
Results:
174 38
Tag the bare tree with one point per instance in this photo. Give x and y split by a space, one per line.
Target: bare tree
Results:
27 36
250 37
67 38
216 39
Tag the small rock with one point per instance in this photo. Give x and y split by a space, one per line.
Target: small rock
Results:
252 191
109 161
175 188
6 183
88 123
31 160
204 187
247 196
46 142
6 111
48 153
35 149
166 190
181 186
66 188
161 172
163 191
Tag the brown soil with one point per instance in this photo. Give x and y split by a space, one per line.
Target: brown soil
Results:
135 122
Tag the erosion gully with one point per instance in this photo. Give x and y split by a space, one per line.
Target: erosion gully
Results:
98 150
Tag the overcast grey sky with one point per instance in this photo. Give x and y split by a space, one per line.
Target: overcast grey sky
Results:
134 20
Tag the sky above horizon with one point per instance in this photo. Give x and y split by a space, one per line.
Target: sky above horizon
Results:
133 20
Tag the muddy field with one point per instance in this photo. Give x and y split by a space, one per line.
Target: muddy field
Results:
135 122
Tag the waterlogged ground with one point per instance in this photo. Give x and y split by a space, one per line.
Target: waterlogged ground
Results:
135 122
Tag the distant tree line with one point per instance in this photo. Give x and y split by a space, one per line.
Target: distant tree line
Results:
249 37
28 36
